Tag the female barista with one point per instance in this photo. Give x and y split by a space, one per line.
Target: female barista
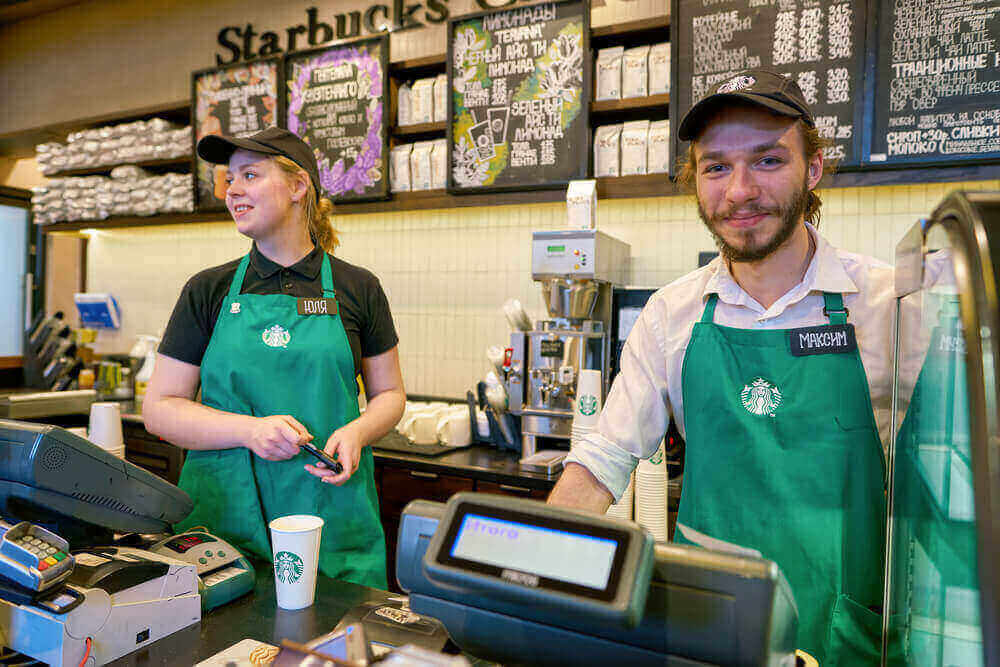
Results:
275 341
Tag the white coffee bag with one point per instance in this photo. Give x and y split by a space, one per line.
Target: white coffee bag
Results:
422 101
439 164
420 166
635 72
440 98
634 147
658 153
659 68
607 151
609 73
399 177
581 204
404 112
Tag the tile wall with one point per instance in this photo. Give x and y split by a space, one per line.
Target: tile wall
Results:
447 272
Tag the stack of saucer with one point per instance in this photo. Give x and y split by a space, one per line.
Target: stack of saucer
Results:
587 406
623 508
651 494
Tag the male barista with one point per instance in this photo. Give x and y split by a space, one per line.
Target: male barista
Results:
761 357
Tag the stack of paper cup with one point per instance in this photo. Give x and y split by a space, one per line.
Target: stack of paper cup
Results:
295 543
106 428
651 494
587 406
623 508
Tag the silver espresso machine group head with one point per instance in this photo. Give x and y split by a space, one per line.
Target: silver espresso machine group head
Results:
576 270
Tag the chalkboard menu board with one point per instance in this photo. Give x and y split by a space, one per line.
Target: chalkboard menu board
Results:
520 92
335 100
937 97
819 43
238 100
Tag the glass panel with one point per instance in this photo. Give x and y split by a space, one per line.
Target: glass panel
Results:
934 597
13 256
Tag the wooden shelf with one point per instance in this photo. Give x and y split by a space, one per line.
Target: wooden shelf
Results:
154 165
661 101
428 199
418 67
138 221
420 128
644 31
22 143
646 185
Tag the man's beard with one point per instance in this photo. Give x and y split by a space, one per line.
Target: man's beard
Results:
790 213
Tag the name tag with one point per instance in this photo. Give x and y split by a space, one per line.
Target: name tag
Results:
318 306
828 339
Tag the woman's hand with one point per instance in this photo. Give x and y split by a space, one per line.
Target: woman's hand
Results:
345 446
277 438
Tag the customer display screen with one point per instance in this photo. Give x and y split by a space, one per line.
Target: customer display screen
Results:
536 551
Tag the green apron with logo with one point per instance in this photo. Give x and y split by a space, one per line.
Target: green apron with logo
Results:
784 457
265 359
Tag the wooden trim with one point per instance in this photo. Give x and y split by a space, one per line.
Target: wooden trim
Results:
641 25
183 161
419 128
429 199
15 196
645 185
11 362
631 103
402 67
150 221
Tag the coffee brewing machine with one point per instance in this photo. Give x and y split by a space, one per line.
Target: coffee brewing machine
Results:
576 270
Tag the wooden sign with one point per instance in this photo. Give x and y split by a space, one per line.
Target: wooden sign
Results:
519 83
238 100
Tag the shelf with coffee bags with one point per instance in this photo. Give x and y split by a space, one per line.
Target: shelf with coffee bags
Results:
121 222
174 164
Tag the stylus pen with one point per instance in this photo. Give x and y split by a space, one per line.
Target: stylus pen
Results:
321 456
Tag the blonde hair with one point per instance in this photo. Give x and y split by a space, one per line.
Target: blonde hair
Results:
318 211
812 143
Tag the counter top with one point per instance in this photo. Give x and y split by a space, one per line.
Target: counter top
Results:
256 616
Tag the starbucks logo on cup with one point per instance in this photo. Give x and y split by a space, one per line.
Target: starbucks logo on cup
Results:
287 567
588 404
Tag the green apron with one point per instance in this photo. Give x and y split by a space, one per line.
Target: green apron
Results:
265 359
784 457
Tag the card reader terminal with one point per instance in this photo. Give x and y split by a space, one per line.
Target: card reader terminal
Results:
223 573
33 557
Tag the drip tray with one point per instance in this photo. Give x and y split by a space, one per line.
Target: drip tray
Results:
396 442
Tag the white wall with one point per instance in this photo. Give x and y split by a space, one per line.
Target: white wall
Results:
447 272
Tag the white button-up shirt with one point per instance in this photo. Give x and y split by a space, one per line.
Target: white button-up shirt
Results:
648 388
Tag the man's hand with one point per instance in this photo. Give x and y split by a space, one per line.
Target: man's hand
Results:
345 446
277 438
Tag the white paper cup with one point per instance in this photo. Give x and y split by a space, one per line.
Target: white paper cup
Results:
106 426
587 406
295 546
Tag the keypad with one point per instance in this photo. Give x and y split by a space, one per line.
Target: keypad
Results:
46 554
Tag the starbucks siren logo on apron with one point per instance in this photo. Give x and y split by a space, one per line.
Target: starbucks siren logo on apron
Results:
760 397
276 336
287 567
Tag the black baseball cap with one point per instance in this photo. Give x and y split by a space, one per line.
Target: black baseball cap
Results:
765 88
272 141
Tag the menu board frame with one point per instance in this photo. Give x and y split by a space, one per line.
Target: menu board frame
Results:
581 164
205 204
878 53
380 193
860 75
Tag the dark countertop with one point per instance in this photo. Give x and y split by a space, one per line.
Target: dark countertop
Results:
256 616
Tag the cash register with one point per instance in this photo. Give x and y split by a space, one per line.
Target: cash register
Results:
67 590
521 582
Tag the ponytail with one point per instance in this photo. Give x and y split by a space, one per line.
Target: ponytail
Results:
317 211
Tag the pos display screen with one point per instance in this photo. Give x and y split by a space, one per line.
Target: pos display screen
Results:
536 551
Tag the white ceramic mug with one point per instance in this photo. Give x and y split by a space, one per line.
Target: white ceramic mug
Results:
454 429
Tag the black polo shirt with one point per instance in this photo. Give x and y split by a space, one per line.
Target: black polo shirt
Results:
364 308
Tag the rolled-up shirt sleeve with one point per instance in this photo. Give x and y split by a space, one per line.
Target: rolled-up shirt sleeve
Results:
637 412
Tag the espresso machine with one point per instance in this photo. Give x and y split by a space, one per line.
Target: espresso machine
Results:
576 270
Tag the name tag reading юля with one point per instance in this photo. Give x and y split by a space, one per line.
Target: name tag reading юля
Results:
824 339
317 306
